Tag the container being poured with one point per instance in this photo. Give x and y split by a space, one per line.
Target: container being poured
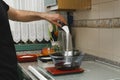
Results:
68 38
68 50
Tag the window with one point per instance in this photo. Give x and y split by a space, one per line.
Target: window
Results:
33 35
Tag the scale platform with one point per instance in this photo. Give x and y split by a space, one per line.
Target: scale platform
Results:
55 71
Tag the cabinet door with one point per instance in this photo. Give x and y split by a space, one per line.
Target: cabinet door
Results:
71 5
68 4
84 4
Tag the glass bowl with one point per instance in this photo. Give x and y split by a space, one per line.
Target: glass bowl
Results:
67 62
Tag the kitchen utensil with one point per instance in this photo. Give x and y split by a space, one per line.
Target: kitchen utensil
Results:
69 62
27 57
47 51
66 36
39 73
44 58
65 28
62 42
36 73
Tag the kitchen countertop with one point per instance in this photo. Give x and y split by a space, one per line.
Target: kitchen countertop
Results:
94 70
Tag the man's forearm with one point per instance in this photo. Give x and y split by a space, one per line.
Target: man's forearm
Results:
26 16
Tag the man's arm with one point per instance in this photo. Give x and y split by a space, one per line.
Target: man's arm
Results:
26 16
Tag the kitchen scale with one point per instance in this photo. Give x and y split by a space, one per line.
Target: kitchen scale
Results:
55 71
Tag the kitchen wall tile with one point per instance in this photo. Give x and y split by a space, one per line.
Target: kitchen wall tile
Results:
92 23
103 20
76 15
81 38
83 23
95 12
93 41
80 23
76 23
116 42
95 2
115 23
105 23
100 1
100 42
87 14
106 43
98 23
116 8
81 14
105 1
106 10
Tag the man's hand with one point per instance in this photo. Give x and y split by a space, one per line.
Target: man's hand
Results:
54 18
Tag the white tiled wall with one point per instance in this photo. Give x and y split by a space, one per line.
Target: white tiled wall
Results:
100 9
106 10
102 42
117 8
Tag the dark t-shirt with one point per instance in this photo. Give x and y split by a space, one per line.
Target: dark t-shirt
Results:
8 61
